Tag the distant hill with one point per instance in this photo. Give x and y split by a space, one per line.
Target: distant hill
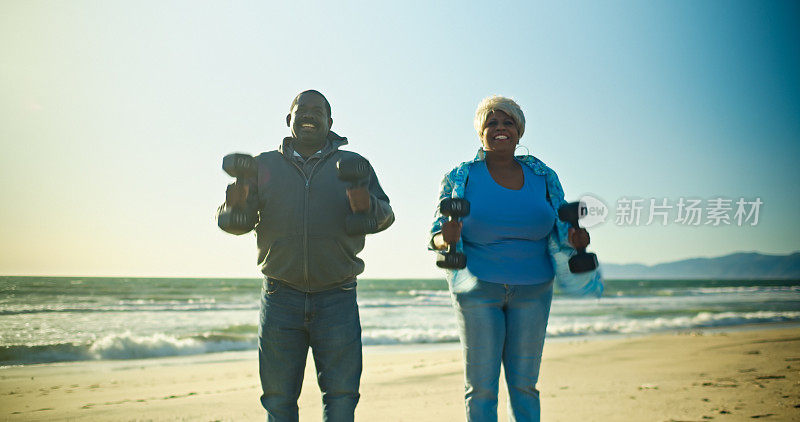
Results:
738 265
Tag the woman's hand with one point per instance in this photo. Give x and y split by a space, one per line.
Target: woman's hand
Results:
451 232
579 239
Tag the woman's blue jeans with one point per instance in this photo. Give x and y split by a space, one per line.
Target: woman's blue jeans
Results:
291 322
502 323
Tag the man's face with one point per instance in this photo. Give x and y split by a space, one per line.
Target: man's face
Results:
309 119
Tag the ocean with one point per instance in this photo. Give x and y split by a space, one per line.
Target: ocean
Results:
54 319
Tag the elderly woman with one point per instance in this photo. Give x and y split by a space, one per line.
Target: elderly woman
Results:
516 248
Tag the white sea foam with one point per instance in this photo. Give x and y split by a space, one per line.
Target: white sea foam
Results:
411 301
126 306
433 293
746 289
409 335
127 346
130 346
606 325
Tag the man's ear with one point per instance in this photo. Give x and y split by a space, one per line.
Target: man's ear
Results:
289 120
330 123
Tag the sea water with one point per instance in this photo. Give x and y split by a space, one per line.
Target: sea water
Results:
51 319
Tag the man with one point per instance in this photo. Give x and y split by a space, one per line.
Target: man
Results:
309 261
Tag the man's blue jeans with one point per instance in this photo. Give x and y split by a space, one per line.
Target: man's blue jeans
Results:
502 323
293 321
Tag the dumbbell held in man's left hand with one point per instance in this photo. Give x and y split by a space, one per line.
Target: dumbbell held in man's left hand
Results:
582 261
455 208
355 171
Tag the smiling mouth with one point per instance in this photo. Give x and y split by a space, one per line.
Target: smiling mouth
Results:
308 126
500 138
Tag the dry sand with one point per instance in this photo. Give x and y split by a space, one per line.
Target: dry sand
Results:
697 376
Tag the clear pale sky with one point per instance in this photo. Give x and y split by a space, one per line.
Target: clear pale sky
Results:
115 116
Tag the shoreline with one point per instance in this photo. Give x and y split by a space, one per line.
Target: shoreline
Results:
423 347
694 375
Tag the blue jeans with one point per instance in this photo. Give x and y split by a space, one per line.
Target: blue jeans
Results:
502 323
291 322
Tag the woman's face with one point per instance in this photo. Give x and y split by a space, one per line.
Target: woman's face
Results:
500 133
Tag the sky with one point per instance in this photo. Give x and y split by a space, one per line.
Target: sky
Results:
115 116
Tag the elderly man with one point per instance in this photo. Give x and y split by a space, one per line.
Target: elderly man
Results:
299 206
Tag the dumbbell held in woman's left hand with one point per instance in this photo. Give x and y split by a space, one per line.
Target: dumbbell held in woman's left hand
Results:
578 238
582 261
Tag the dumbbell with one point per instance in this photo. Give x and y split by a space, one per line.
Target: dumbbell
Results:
355 171
582 261
235 219
455 208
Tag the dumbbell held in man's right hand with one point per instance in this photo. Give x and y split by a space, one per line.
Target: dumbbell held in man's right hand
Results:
582 261
233 218
240 166
455 208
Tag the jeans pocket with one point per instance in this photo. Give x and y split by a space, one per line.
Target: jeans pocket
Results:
461 281
272 286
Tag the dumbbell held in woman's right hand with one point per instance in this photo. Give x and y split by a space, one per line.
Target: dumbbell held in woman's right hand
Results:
455 208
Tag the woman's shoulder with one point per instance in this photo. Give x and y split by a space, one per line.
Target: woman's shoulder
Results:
538 166
554 188
460 170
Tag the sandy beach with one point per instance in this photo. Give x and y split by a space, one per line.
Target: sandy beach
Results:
691 376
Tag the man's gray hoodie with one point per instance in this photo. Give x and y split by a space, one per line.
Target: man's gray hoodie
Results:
300 229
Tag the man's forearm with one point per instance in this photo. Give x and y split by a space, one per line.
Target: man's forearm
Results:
382 212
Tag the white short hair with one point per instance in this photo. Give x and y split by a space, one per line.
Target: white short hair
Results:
495 103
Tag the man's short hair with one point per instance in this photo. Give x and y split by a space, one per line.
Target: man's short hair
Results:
313 91
494 103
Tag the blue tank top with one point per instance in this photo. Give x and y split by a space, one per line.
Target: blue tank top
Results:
505 234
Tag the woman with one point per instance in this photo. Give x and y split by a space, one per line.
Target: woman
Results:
516 248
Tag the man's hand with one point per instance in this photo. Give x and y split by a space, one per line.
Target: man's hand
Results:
579 239
236 195
359 199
